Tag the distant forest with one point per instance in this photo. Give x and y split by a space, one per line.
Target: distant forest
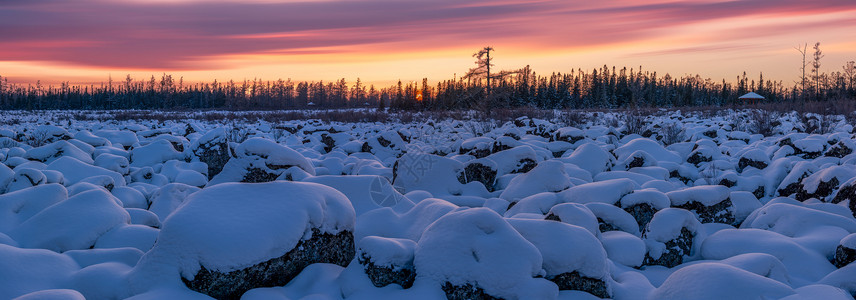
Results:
478 89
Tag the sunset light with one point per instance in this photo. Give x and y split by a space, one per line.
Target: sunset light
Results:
382 41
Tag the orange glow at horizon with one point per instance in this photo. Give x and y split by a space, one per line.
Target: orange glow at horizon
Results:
382 42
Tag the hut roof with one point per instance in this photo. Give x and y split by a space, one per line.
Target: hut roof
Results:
751 95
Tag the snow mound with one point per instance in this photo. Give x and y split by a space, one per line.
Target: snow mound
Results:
718 281
235 225
476 247
708 195
261 160
75 223
607 191
548 176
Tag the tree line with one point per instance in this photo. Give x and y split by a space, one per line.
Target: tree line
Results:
605 87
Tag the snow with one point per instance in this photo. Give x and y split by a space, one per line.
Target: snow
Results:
648 146
591 158
607 191
623 248
548 176
576 214
666 225
74 170
366 192
849 241
656 199
463 248
75 223
387 252
707 195
555 240
124 209
235 225
707 281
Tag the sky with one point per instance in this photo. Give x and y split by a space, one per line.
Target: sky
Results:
382 41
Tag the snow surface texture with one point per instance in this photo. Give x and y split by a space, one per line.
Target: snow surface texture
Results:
528 209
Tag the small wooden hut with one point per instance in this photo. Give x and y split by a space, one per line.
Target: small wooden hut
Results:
750 98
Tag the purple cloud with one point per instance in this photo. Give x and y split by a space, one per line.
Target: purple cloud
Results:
184 35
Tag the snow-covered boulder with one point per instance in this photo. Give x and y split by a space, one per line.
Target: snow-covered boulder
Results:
481 170
845 253
366 192
476 254
213 149
25 178
75 223
719 281
73 171
755 158
643 204
670 237
585 269
711 203
434 174
232 237
154 153
548 176
51 152
387 260
261 160
20 206
824 182
575 214
591 158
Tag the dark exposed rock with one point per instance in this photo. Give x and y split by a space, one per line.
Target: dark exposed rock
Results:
497 146
383 142
479 153
382 276
852 206
553 217
697 158
215 155
760 192
577 282
727 183
604 226
525 165
710 133
480 172
844 256
746 162
846 192
839 150
677 175
636 162
466 292
328 142
824 188
675 251
403 137
717 213
321 248
790 189
366 147
642 212
648 133
568 138
255 175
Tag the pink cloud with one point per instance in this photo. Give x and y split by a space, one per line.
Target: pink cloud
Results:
184 35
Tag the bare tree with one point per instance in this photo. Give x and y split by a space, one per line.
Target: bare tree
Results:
483 62
803 52
850 72
815 67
